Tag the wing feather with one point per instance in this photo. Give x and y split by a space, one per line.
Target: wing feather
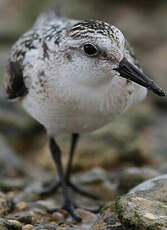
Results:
14 82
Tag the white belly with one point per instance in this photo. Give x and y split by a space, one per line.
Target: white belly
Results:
86 114
66 120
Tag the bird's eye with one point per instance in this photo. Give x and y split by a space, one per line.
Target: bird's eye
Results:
90 50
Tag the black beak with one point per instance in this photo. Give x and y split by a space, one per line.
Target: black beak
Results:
129 71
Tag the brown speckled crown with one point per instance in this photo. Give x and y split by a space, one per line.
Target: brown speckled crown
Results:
89 28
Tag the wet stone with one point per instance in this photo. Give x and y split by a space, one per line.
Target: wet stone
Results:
145 206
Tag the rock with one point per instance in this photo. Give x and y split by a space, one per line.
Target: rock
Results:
58 217
28 227
6 205
107 219
131 177
87 217
24 217
144 207
22 206
47 227
10 224
7 185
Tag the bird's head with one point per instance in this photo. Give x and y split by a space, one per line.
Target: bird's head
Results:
97 51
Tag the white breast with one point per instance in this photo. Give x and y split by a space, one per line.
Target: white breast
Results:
84 110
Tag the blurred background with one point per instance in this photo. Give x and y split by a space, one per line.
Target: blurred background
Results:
137 139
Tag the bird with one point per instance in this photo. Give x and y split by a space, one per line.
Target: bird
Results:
74 77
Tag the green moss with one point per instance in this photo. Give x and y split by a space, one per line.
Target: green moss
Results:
131 217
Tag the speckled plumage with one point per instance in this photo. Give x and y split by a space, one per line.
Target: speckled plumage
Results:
62 88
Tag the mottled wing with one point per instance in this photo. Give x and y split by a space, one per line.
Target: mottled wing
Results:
47 26
14 79
14 82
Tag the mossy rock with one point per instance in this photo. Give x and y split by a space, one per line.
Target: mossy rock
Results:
145 207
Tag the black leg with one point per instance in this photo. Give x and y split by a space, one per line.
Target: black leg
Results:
69 203
54 188
74 141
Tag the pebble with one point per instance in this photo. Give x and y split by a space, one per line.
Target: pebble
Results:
10 224
6 205
47 227
22 206
28 227
24 217
58 217
87 217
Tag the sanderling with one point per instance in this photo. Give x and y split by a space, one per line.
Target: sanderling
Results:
74 77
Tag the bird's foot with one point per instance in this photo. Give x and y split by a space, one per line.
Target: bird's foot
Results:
82 192
70 207
94 210
48 191
54 188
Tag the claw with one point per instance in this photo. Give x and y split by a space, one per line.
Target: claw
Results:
69 204
70 208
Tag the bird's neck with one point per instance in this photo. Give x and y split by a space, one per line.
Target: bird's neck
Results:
118 96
